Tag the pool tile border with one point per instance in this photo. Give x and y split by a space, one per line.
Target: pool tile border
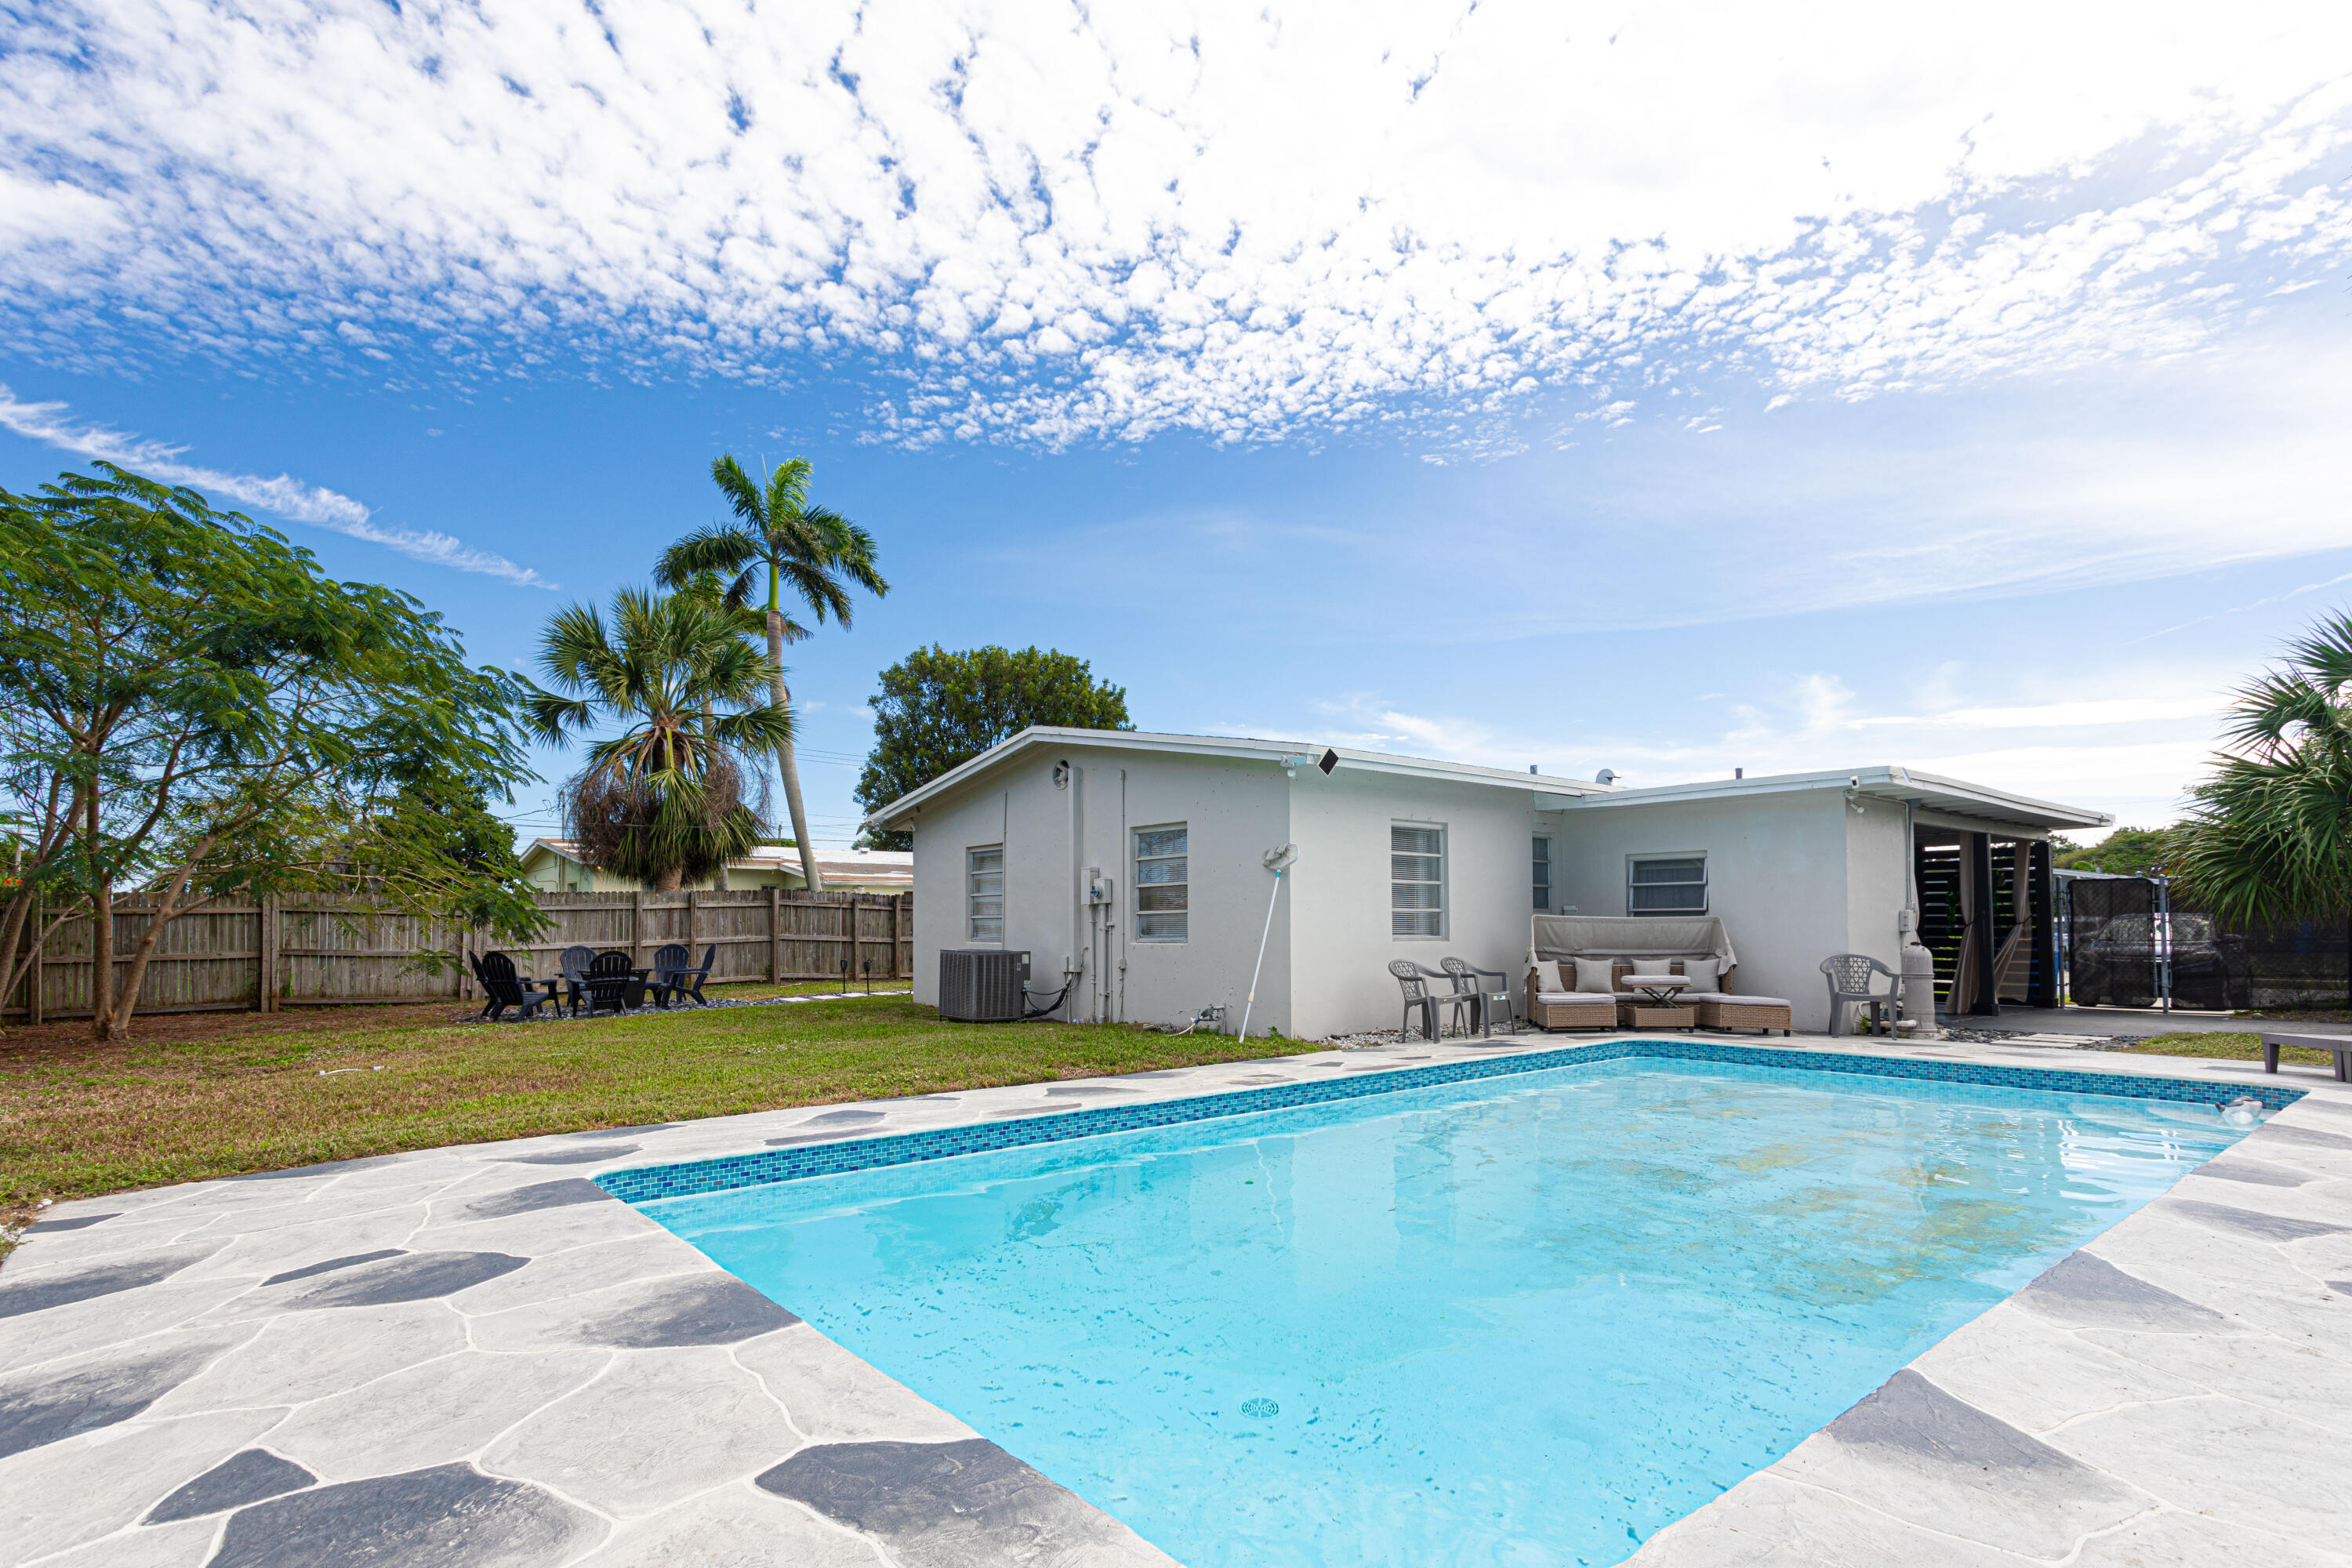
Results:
646 1184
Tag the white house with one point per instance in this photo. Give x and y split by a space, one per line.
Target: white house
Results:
1135 865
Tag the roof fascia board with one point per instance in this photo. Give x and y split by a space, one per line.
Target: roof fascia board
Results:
1880 782
1234 748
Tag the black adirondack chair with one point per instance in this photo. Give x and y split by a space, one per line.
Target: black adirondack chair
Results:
673 980
575 962
507 989
610 979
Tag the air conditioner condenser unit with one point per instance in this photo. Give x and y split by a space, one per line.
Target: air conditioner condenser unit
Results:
982 984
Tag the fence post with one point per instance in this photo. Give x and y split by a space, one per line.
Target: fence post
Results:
775 933
849 913
894 937
265 962
637 924
691 905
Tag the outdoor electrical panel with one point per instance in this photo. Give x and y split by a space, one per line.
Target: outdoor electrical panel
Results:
982 985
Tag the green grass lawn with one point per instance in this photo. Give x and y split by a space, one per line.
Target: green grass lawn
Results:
75 1123
2232 1046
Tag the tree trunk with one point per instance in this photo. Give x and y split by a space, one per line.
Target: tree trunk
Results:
710 727
101 925
784 763
167 909
670 881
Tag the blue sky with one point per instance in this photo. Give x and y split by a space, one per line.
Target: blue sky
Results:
1656 388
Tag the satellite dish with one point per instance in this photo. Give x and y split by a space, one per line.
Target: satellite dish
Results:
1605 776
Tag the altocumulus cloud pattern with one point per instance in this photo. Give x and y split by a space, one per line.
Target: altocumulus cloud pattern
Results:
1047 222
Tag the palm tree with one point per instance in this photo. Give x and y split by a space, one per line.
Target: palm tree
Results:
812 548
664 799
708 590
2270 837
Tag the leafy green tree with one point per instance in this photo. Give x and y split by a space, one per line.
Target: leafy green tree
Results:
193 711
2269 835
2125 852
813 550
938 710
662 800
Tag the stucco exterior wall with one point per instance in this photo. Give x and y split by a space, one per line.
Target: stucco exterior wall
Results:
1777 874
1234 811
1339 911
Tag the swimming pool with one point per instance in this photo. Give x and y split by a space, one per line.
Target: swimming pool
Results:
1525 1320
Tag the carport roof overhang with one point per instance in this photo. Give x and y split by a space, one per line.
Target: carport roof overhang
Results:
1958 801
1548 792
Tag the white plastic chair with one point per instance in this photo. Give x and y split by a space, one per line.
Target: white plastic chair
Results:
1849 975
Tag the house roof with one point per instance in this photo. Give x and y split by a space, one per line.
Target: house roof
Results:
887 866
1952 797
1240 747
1887 782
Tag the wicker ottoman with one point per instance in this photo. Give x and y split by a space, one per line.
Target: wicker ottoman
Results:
1719 1010
1571 1010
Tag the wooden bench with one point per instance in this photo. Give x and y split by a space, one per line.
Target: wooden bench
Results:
2340 1044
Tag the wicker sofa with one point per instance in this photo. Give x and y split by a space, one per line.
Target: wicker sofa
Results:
1647 945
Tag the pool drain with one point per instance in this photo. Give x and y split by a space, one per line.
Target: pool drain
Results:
1259 1409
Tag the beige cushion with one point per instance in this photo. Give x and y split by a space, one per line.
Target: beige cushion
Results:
1573 999
1547 975
1596 975
1706 973
1742 1001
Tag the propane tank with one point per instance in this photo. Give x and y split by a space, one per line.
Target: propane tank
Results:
1918 965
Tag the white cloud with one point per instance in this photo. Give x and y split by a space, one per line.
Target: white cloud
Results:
1060 222
281 495
2133 756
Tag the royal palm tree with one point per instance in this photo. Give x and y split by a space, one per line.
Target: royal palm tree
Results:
663 799
2270 837
708 589
812 551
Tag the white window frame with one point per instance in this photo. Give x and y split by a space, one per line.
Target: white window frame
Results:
1703 883
974 896
1541 872
1443 903
1136 860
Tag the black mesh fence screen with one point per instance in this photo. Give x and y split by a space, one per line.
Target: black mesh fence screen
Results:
2111 943
2216 967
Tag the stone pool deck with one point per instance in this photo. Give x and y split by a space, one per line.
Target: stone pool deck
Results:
474 1357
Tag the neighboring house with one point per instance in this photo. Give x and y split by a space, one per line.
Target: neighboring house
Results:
1135 863
553 866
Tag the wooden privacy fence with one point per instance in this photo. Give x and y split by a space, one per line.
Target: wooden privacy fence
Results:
325 953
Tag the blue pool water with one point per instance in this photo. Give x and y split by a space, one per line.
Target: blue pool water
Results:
1524 1320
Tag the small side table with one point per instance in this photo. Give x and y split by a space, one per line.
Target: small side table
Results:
1660 1007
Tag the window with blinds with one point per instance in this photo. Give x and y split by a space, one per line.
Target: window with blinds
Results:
983 882
1163 881
1543 872
1416 880
1666 885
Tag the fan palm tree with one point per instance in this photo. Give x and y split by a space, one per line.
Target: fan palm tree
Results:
812 550
2270 837
663 799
